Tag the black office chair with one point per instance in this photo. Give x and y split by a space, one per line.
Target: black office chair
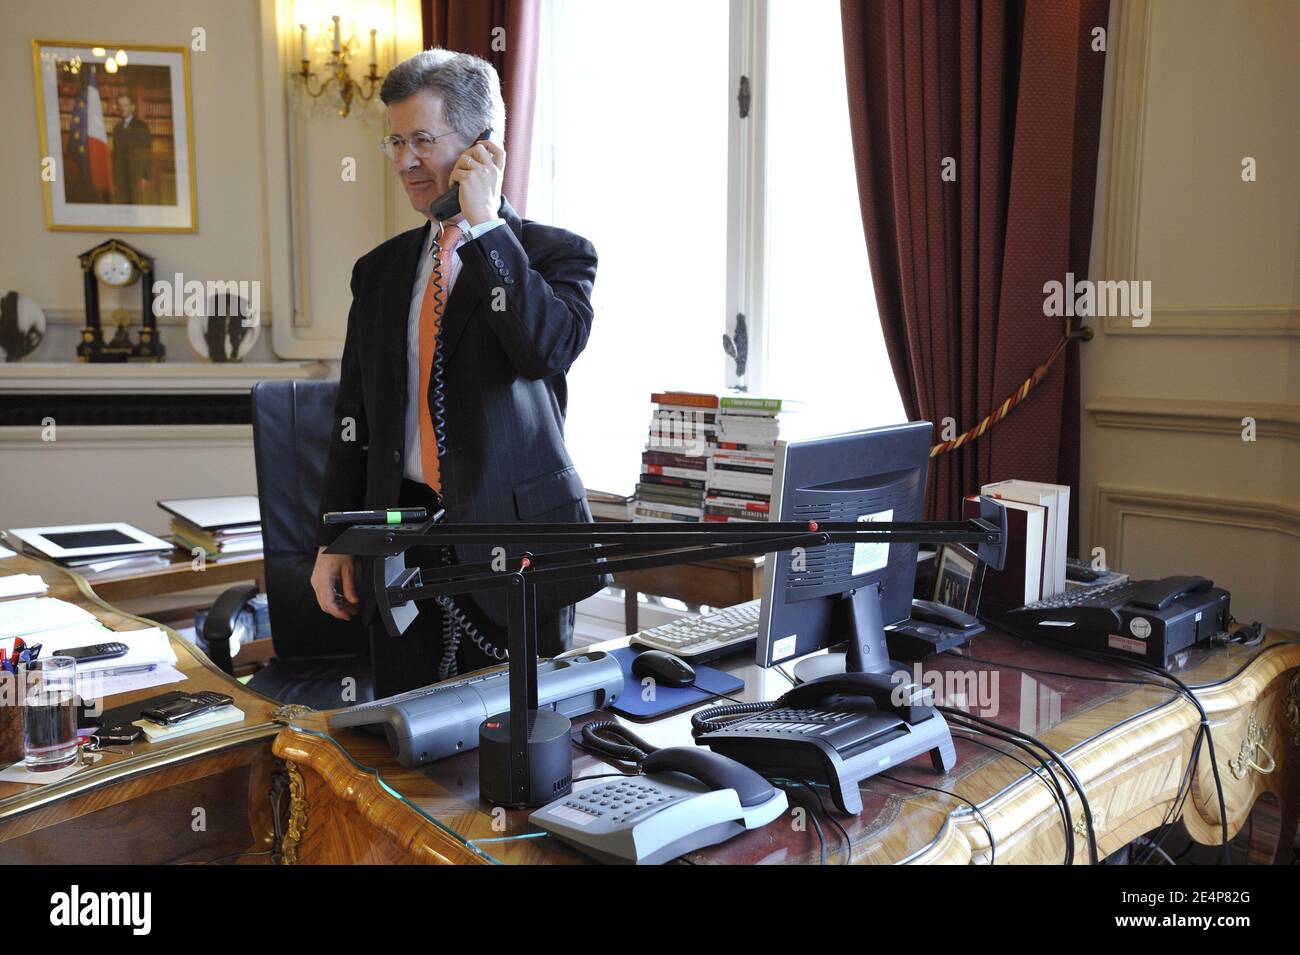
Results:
314 652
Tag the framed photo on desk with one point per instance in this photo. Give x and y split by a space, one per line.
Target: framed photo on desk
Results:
958 578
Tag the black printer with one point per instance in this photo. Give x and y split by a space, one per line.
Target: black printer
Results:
1147 619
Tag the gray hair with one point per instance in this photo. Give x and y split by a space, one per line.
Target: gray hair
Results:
469 87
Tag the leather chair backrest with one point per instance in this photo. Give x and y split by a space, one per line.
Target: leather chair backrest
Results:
291 422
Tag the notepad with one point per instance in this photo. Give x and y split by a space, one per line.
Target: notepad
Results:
214 513
34 615
156 732
22 585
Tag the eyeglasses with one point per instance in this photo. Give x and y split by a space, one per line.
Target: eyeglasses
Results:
420 143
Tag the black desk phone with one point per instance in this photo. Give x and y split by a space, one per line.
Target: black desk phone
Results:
1150 619
932 628
448 204
836 730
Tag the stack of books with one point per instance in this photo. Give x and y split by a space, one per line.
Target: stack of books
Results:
744 455
218 526
675 462
608 506
1038 518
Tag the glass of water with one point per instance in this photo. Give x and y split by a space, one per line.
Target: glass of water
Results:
50 720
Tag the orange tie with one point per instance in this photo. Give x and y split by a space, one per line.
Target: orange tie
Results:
431 312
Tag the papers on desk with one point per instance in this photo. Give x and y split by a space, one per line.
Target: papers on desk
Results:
149 660
36 615
58 625
22 585
149 647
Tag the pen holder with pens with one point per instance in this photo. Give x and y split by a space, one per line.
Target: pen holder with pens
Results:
11 717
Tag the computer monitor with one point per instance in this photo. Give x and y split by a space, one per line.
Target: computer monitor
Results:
817 598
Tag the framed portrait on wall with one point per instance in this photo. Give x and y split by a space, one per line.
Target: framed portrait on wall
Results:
117 136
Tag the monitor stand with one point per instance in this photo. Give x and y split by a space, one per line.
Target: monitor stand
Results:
858 613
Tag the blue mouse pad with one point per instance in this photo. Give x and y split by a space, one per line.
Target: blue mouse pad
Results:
708 684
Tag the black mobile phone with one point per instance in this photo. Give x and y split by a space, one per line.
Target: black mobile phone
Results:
96 651
187 707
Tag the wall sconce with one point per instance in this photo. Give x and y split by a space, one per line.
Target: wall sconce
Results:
338 80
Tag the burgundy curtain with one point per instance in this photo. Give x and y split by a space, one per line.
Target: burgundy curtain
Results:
467 26
1011 93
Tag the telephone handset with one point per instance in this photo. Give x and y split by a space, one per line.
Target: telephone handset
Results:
447 205
1159 594
837 730
906 699
687 799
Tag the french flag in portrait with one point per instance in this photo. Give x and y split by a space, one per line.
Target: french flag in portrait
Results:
89 139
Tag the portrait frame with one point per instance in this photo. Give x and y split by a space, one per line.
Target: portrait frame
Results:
146 184
959 578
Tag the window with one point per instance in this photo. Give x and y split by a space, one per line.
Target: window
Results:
636 146
823 344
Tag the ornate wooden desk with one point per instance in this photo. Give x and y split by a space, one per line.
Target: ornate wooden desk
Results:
197 798
1128 742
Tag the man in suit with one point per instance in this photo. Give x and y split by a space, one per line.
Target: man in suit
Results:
497 306
132 150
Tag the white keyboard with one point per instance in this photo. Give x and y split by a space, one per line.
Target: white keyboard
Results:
705 637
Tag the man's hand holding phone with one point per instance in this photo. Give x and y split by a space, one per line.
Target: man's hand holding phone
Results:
334 581
479 172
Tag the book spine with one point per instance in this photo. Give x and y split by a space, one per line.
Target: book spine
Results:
771 405
688 398
658 470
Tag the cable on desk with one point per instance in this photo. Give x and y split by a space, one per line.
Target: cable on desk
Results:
812 815
1225 852
848 842
988 830
1056 757
1063 802
1134 681
1174 813
1035 771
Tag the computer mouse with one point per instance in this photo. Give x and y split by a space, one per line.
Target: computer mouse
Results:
663 668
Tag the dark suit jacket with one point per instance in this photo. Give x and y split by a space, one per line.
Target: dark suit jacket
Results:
132 151
505 459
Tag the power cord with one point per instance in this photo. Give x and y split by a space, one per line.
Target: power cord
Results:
1225 852
988 830
1062 801
1055 757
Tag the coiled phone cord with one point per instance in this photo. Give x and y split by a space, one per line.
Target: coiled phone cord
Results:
715 716
454 621
613 739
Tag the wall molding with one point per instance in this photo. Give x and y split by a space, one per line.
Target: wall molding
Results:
1122 210
1114 505
1245 321
1121 213
1199 415
72 315
176 377
168 437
